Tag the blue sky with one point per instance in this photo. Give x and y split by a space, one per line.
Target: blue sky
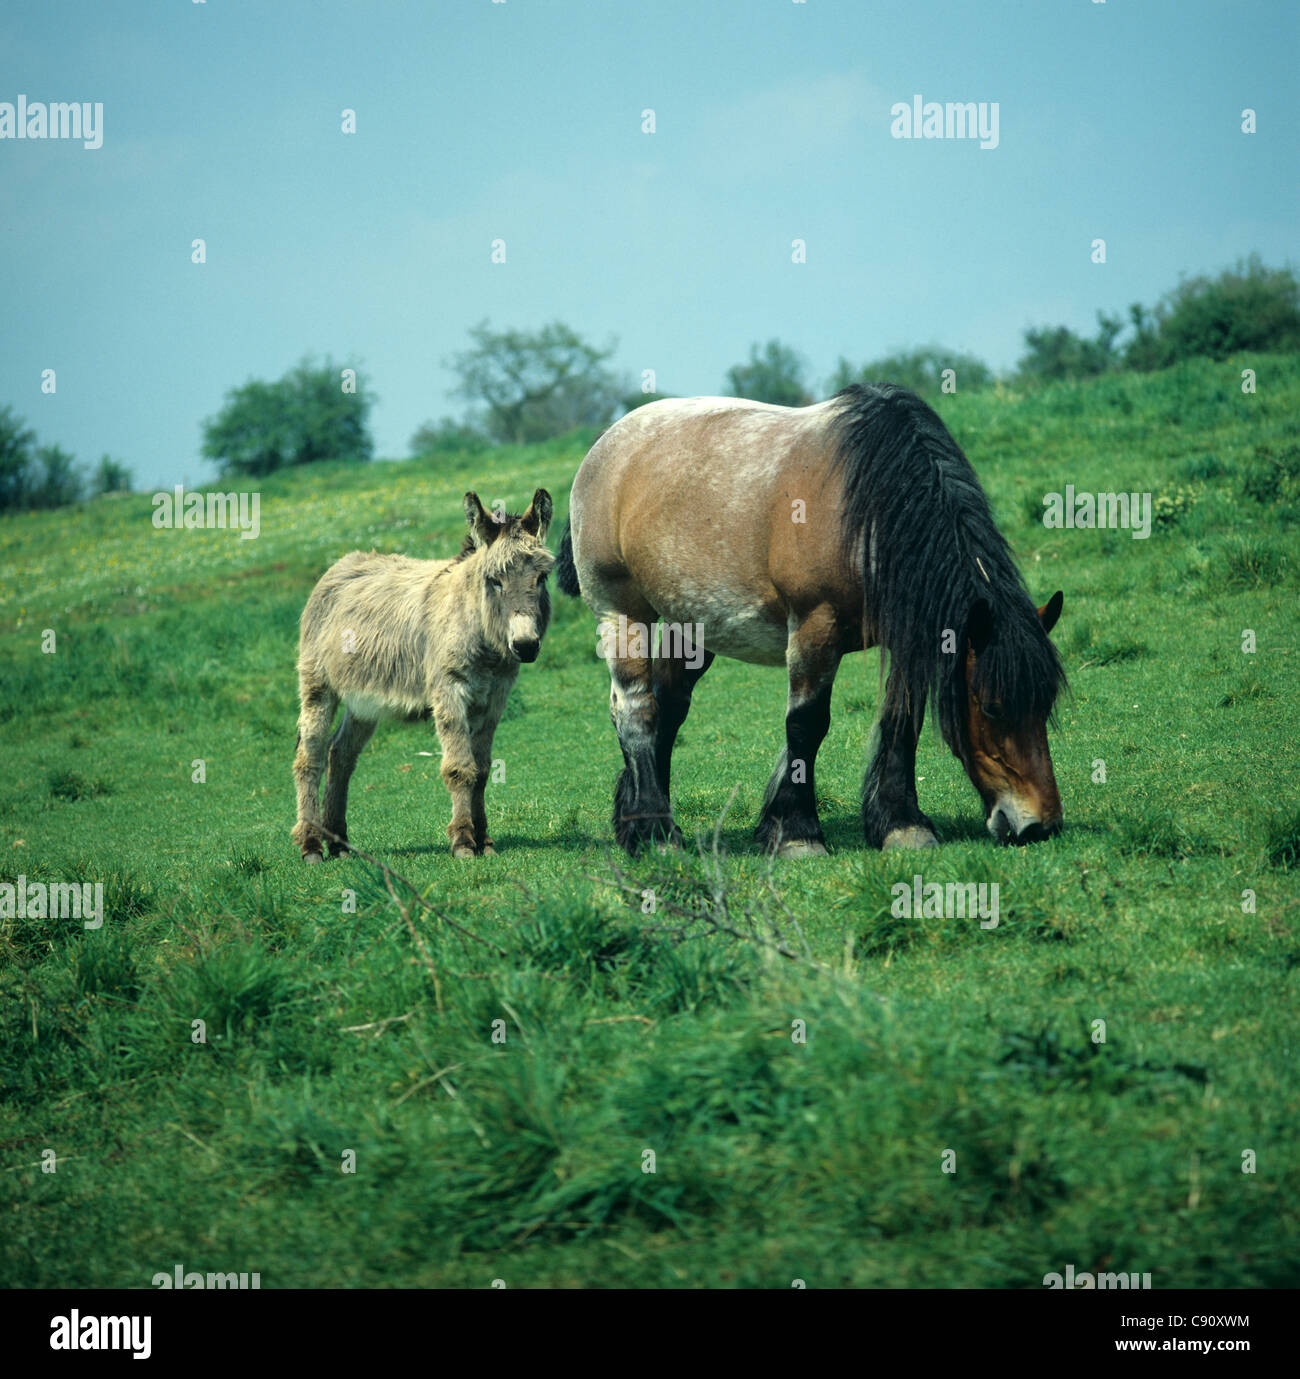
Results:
522 121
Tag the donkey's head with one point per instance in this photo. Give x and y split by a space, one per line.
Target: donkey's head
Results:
510 569
1012 677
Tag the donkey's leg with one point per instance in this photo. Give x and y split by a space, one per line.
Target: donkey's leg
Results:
314 719
891 817
481 744
641 810
459 769
349 738
788 824
483 845
674 682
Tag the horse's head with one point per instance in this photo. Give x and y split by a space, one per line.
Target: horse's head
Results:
512 574
1006 754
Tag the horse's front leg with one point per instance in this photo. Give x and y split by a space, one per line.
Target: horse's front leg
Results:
788 824
891 817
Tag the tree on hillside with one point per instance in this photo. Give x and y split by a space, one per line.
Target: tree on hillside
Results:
32 476
921 370
110 476
1249 307
1056 352
58 480
775 375
312 413
447 436
17 461
537 384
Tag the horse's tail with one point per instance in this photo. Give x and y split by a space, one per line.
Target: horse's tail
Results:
566 572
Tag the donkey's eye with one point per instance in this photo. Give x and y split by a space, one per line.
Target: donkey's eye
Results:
494 585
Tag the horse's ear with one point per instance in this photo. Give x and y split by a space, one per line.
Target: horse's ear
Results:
979 626
481 527
538 517
1051 611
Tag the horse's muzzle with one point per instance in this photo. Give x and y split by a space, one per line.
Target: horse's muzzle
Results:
1033 832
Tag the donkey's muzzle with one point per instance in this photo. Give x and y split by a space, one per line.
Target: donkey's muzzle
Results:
526 651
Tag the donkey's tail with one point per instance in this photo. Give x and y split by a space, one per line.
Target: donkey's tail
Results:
566 572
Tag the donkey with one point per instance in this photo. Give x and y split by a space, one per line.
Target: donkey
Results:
794 536
398 638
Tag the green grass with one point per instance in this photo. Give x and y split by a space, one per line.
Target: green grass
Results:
504 1081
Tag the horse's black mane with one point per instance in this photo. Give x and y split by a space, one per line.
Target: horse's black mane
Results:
913 503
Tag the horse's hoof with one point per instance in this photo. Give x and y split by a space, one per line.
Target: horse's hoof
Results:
802 847
912 836
311 858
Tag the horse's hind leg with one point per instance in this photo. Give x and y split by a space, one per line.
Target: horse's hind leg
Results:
314 719
891 817
788 824
346 745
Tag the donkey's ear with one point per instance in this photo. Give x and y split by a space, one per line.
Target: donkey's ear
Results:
481 526
1050 611
979 626
538 517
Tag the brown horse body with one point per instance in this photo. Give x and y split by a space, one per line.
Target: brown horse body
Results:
765 529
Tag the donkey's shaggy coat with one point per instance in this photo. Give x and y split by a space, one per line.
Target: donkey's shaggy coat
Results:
394 637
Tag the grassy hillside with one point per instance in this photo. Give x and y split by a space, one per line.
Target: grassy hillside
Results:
622 1035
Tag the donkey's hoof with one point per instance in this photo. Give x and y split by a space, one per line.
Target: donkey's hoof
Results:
311 858
802 847
464 850
488 849
912 836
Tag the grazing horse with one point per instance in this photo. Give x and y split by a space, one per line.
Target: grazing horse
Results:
797 535
394 637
